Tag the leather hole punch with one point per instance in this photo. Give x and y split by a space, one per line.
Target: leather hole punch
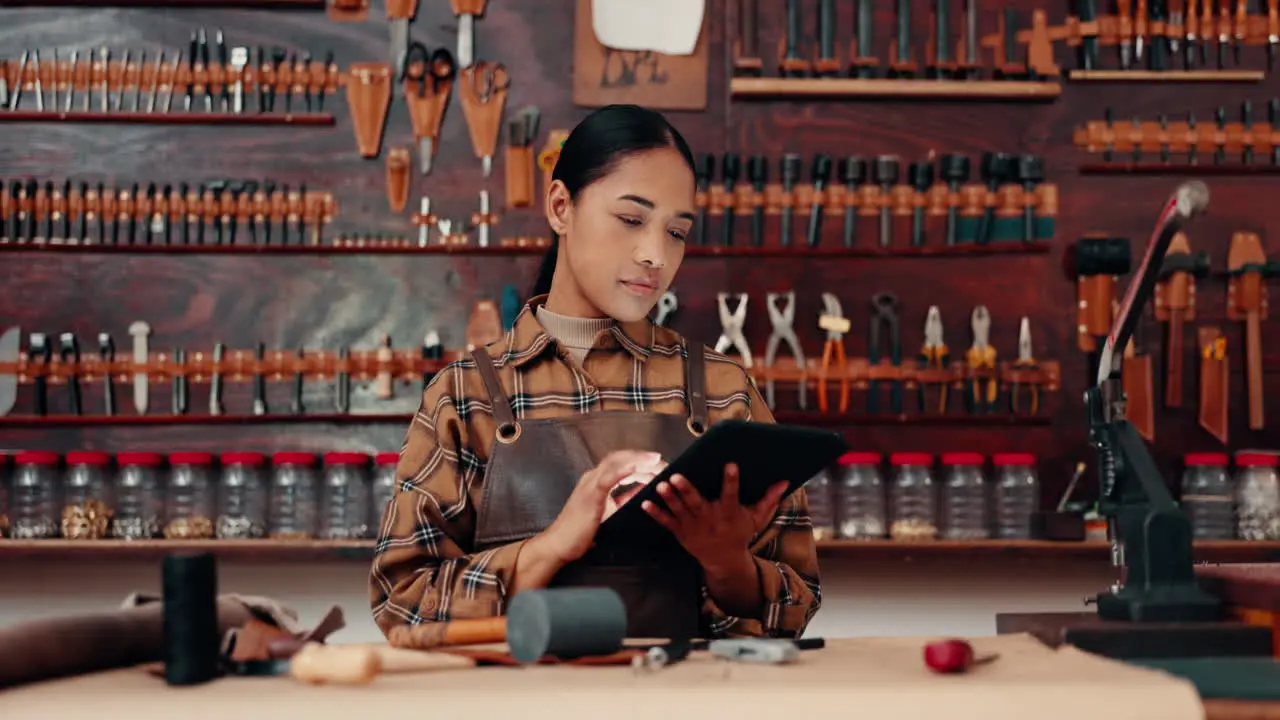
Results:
508 434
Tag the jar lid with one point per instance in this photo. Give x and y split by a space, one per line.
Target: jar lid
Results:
345 458
242 458
191 458
36 457
859 458
293 458
962 458
1200 459
139 459
1243 460
1013 459
88 457
387 458
910 458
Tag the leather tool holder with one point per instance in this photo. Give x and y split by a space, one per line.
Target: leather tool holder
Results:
520 176
1215 382
1136 377
401 9
398 172
426 110
484 119
369 99
794 67
348 10
1247 303
1098 263
485 324
1175 306
550 155
468 7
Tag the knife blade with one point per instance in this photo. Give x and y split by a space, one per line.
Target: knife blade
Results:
10 347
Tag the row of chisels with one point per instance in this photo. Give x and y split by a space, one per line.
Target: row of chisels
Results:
59 359
222 79
881 190
1219 141
1100 262
208 213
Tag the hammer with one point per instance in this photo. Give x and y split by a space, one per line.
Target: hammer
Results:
1098 263
564 623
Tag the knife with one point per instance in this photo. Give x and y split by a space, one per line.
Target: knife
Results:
10 347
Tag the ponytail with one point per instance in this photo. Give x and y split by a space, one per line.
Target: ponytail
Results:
546 269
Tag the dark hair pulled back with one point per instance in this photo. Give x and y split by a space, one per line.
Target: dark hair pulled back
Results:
602 140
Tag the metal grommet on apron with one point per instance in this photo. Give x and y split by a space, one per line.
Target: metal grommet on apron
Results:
534 466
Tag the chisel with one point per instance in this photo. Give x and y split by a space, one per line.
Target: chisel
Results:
729 171
821 176
758 174
853 172
790 174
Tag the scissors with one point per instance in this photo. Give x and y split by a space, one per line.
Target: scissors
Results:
421 65
489 80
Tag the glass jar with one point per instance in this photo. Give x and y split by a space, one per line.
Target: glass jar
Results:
1257 497
293 501
1208 497
6 482
242 497
190 502
139 496
859 496
818 492
1017 494
34 499
384 486
344 499
964 497
913 497
86 495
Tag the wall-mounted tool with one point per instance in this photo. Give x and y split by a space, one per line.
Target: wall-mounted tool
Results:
522 131
215 380
1215 381
746 47
260 381
140 332
428 82
1136 378
180 394
954 171
853 173
69 354
704 169
902 63
884 349
484 87
369 98
398 178
1175 306
467 12
885 174
791 60
1099 261
817 204
996 169
758 175
399 14
1247 302
40 351
107 356
10 350
826 64
790 176
920 176
862 53
730 169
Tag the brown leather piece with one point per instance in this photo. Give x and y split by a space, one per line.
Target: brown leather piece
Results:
398 167
1215 379
429 636
1175 305
468 7
1095 295
401 9
485 324
519 176
369 99
483 113
348 10
695 380
502 413
1136 374
1247 301
427 103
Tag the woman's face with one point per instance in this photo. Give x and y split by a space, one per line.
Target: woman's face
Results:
624 237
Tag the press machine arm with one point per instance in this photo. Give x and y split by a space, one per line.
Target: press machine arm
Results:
1150 535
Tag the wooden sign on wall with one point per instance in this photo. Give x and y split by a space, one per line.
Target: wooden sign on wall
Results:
602 76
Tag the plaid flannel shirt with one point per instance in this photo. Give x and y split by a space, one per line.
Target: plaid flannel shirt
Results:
425 568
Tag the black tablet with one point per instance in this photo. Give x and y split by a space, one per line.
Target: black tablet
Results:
766 454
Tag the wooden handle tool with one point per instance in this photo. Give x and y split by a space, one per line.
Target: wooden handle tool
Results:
1175 305
1247 301
318 664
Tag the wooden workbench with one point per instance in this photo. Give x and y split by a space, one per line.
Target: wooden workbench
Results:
867 677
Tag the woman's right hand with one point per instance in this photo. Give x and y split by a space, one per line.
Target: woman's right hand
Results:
571 535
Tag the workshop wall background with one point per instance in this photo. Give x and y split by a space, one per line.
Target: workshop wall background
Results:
194 301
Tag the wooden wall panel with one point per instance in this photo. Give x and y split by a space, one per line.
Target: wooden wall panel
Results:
287 301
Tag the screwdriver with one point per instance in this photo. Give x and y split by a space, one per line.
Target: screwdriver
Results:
853 171
1220 152
1030 174
821 176
702 179
920 175
886 176
194 54
1163 120
178 395
163 222
223 62
954 170
790 174
758 173
1246 119
54 212
69 353
85 212
729 171
993 170
107 354
204 60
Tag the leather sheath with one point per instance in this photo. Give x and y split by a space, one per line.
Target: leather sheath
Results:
519 176
484 115
369 98
535 464
1175 306
1095 296
398 167
1139 403
485 324
1215 379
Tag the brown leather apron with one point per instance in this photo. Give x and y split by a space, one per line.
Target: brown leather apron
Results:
534 466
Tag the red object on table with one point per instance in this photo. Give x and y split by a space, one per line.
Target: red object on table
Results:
952 656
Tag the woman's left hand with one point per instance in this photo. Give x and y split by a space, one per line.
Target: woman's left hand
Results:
715 532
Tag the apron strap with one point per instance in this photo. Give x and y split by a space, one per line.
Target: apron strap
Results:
502 413
695 385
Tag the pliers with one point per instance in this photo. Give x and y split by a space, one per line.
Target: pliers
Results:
884 308
783 321
834 322
1026 361
731 324
982 393
934 354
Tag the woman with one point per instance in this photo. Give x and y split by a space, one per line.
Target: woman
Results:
508 466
